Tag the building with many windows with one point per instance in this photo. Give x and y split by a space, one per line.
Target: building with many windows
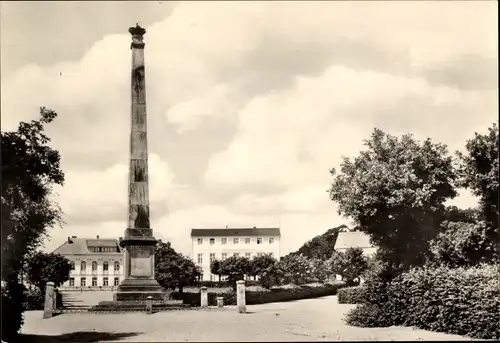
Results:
210 244
97 263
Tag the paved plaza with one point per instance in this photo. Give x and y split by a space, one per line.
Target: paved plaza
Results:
312 319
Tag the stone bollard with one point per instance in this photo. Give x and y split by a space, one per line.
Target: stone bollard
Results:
240 296
204 297
149 305
48 308
220 301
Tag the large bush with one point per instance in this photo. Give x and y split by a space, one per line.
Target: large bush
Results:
350 295
34 300
457 301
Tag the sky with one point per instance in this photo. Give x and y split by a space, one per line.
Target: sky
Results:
250 104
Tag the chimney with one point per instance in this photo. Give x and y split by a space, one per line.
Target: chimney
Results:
255 227
69 240
73 236
97 236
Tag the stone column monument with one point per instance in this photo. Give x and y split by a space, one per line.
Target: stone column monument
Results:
138 241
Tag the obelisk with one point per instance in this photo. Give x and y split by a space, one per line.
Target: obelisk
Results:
138 241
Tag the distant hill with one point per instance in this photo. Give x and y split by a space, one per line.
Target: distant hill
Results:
321 246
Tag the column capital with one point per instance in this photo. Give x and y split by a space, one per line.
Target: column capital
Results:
137 33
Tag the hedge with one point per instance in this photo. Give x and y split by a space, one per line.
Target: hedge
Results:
350 295
223 284
462 301
280 294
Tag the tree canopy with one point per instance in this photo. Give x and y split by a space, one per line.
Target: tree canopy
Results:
43 267
395 192
321 247
479 172
349 264
30 169
172 269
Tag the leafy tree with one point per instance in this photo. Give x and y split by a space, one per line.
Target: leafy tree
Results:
295 269
479 172
350 264
395 192
259 264
172 269
30 169
463 245
234 268
42 268
215 268
321 247
319 270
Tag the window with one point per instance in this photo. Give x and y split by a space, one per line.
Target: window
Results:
248 254
213 277
72 282
247 240
201 277
212 241
94 282
259 254
117 266
105 266
105 281
259 240
94 266
83 281
212 257
223 240
224 255
200 241
271 240
236 254
116 281
83 266
236 240
200 258
72 265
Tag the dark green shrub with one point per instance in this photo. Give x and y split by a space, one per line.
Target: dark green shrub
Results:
369 316
34 300
224 284
462 301
12 310
350 295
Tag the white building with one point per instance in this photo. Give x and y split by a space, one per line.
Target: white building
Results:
210 244
97 263
355 239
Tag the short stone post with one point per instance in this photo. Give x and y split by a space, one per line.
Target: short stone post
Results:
204 297
48 308
240 296
149 305
220 301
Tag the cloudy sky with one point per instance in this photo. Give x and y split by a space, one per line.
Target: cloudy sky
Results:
249 103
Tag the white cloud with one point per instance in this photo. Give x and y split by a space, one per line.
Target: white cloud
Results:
301 83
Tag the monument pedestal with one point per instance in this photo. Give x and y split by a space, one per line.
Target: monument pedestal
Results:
139 282
139 290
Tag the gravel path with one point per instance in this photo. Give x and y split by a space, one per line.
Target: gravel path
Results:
312 319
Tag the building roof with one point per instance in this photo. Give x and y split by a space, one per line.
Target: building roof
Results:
356 239
235 232
80 246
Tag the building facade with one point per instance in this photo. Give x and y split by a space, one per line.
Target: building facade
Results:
96 263
210 244
355 239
